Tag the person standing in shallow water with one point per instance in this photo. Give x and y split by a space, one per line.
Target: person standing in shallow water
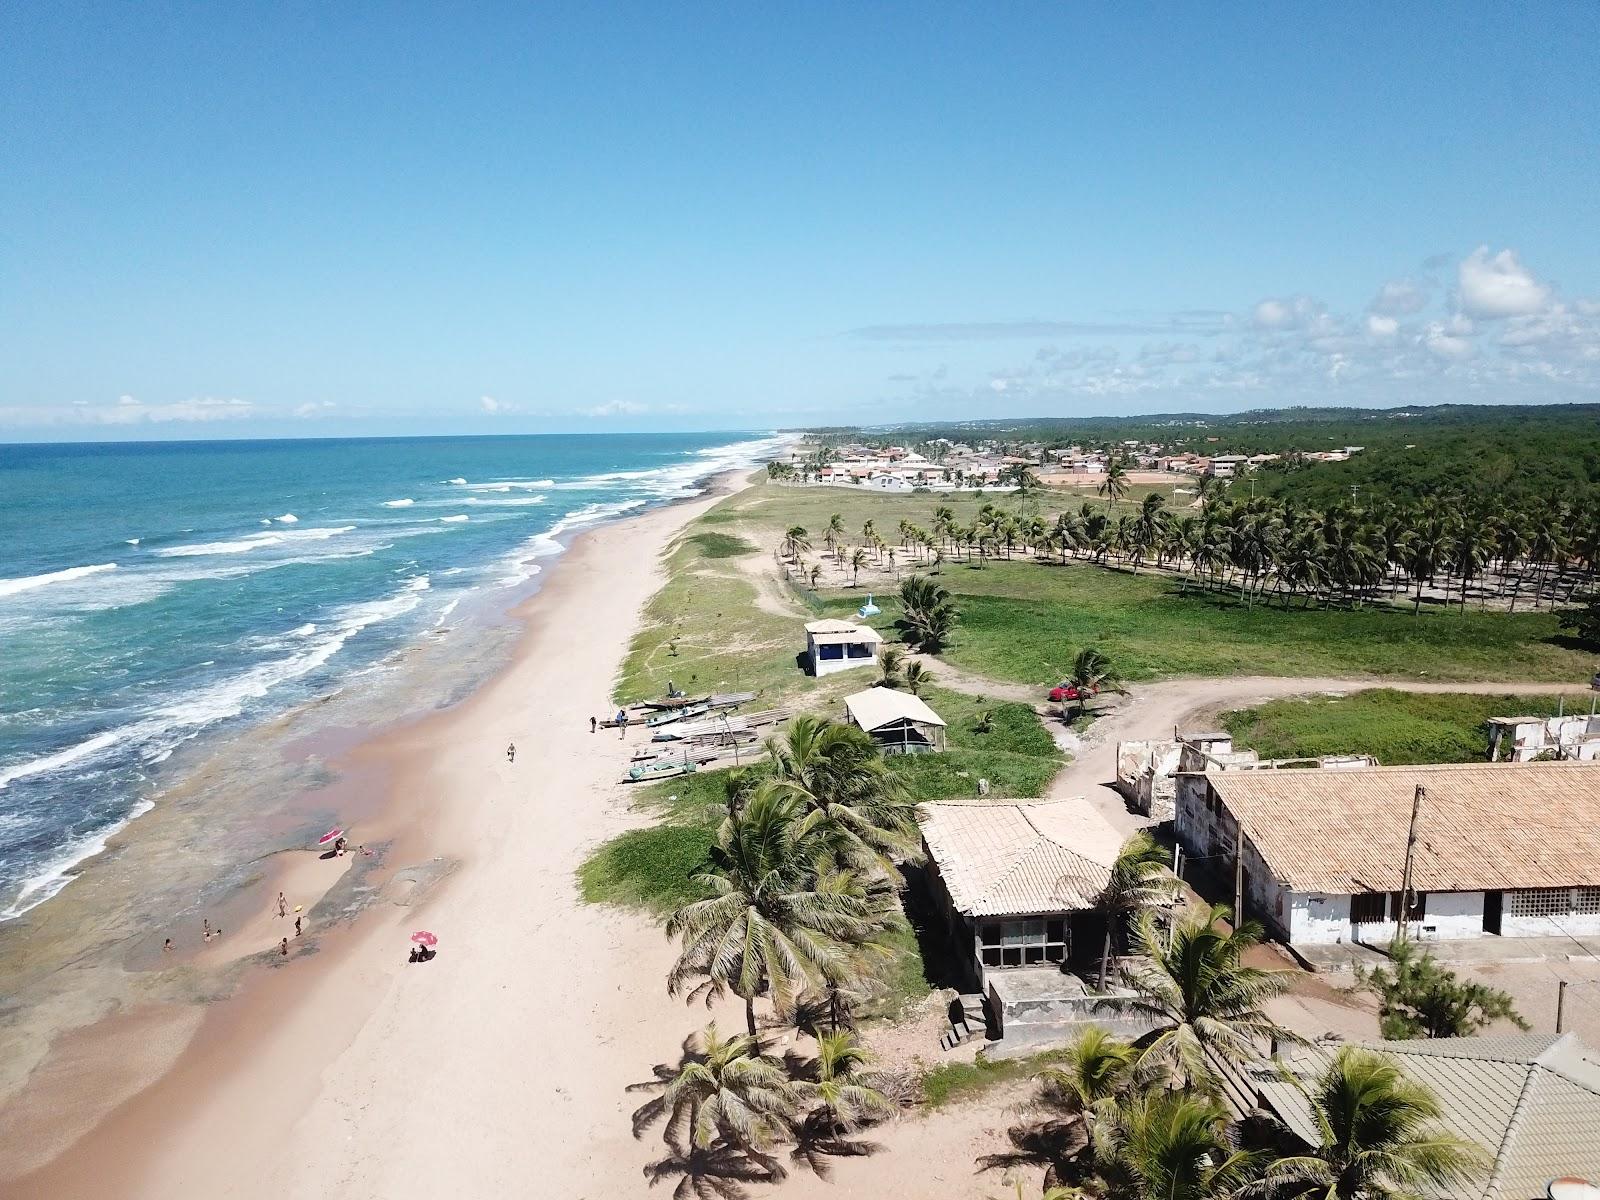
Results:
283 906
283 948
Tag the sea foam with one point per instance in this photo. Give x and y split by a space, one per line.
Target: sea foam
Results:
26 583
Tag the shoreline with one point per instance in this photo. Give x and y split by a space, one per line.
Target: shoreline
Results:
421 845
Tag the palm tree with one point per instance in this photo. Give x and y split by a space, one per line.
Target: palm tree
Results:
1201 995
845 1101
1171 1145
917 677
891 661
768 926
835 770
1092 672
857 561
731 1092
795 542
834 531
928 613
1148 525
1115 485
1139 881
1379 1137
1098 1066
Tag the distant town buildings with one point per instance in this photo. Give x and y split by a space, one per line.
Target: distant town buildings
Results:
950 465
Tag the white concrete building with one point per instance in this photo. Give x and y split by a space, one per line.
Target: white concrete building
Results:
1523 739
834 646
1510 849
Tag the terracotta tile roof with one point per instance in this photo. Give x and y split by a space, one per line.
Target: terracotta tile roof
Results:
1531 1101
1010 859
1482 826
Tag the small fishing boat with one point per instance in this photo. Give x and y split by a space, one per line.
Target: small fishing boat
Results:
699 708
665 769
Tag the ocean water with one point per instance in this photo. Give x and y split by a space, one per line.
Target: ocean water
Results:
151 594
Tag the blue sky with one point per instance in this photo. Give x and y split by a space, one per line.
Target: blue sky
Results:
329 219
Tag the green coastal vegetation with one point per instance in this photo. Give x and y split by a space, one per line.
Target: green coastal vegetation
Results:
653 868
1513 452
1398 728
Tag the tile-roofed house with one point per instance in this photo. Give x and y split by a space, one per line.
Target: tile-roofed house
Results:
1507 849
1020 881
1530 1101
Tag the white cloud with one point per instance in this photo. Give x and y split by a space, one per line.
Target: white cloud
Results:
1498 285
1381 326
131 411
1274 314
615 408
320 408
495 407
1445 344
1398 298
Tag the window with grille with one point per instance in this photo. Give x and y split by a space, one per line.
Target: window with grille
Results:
1022 943
1367 908
1553 902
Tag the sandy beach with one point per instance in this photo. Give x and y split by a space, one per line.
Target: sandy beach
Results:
499 1067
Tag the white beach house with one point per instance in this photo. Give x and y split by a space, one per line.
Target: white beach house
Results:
1508 849
834 646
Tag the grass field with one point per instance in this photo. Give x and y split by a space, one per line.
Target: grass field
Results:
1399 728
1016 755
1025 621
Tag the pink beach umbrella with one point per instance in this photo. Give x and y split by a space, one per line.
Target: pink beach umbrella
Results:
332 835
423 938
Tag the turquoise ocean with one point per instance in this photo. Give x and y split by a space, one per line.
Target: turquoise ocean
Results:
154 594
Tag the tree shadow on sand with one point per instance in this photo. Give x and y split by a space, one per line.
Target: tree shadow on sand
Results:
1052 1144
719 1172
819 1140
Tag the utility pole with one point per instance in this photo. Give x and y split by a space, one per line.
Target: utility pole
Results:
1405 873
1238 875
1561 1003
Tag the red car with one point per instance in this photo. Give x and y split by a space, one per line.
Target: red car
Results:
1066 690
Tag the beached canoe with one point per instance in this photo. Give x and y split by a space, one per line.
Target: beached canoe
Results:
677 714
661 770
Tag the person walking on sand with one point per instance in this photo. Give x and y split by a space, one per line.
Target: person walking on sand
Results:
205 929
511 752
283 906
594 724
622 723
297 927
283 947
